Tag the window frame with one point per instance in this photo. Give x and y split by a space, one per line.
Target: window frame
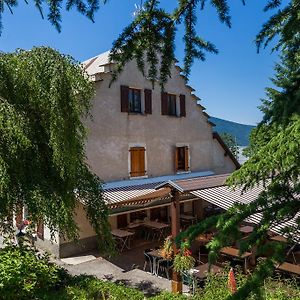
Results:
186 160
172 98
132 100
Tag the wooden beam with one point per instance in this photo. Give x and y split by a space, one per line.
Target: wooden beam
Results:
175 226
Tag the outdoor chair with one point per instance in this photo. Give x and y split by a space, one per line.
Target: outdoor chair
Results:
148 259
164 265
189 279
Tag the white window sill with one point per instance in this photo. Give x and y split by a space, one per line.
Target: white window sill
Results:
138 177
183 172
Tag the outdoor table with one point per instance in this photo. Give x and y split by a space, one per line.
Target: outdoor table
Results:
233 252
156 256
203 239
203 270
187 218
246 229
123 236
134 225
160 227
279 238
290 268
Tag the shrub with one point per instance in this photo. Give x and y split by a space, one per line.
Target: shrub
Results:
23 273
88 287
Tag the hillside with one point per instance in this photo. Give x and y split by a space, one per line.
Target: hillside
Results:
240 131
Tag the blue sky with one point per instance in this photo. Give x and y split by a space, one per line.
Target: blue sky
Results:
230 84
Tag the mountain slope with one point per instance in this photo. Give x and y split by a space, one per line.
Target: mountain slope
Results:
240 131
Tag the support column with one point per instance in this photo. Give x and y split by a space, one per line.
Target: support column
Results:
175 225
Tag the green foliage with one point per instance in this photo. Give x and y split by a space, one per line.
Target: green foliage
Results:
274 164
87 287
23 273
151 35
230 141
44 98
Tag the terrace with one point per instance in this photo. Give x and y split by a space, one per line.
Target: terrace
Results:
155 210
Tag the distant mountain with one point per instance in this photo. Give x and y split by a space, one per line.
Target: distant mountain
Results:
240 131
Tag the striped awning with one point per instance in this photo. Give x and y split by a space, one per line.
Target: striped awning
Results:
114 196
225 197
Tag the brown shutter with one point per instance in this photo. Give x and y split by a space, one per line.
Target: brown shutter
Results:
164 103
40 229
148 101
142 170
182 106
137 162
176 159
124 98
186 158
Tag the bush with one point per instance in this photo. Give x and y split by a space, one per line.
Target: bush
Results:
23 273
88 287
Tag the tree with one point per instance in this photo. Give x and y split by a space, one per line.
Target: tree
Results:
275 163
151 35
44 96
230 141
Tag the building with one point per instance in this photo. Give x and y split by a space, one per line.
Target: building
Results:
140 137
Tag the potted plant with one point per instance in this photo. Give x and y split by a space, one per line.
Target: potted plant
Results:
183 260
166 251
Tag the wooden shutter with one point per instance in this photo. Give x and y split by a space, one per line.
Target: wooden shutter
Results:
40 229
148 101
182 106
137 159
186 158
124 98
164 103
176 159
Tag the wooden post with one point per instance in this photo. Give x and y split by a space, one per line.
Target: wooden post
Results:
175 225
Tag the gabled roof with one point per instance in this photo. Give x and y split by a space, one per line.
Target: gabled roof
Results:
95 64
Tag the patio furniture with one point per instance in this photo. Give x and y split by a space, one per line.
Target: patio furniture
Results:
187 220
122 237
156 256
148 259
189 279
157 228
165 265
289 268
202 270
246 229
279 238
234 253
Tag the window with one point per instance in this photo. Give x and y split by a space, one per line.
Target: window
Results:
130 100
168 105
182 159
137 161
171 105
134 100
